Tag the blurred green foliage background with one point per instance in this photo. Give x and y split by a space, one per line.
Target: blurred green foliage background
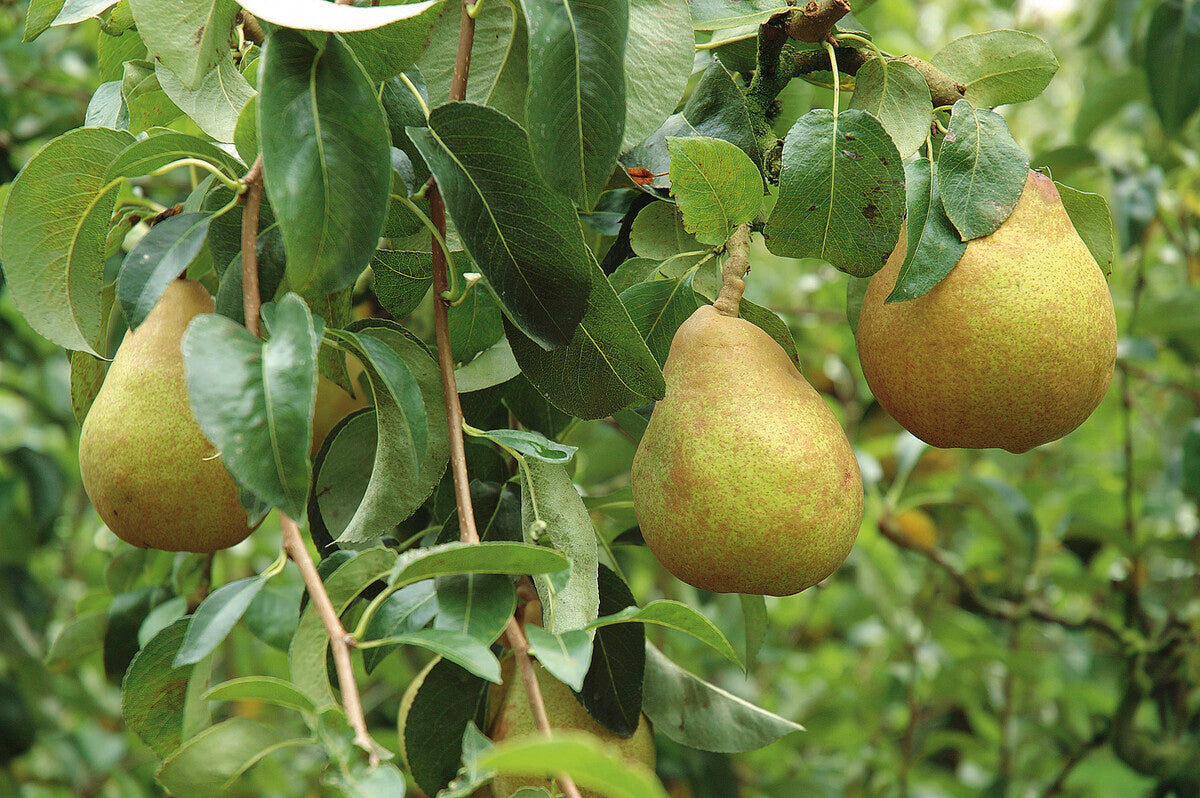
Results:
907 680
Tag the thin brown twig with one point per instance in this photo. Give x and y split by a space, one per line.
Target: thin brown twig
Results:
513 633
292 542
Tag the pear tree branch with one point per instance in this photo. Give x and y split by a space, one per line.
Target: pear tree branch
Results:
468 533
293 543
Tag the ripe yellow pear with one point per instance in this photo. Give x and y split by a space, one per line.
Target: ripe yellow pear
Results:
513 718
151 474
1013 348
744 482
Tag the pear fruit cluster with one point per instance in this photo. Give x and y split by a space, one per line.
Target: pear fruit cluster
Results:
744 482
150 472
1014 348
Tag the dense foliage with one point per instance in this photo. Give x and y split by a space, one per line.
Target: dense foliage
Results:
1005 625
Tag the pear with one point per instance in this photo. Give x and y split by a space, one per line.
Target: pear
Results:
151 474
513 718
1013 348
744 482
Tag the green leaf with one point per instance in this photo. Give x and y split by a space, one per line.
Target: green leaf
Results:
593 765
494 366
605 367
147 105
767 321
386 51
79 638
633 271
161 147
407 610
189 37
657 233
658 308
531 444
267 689
475 322
41 13
401 279
215 103
933 245
322 16
841 192
215 618
75 11
754 614
214 759
1191 461
326 158
895 93
612 689
701 715
154 690
576 99
367 484
678 616
307 658
447 700
464 650
720 14
981 171
254 400
548 496
998 66
159 258
1092 220
107 107
364 780
567 656
658 61
55 221
113 51
478 605
475 558
499 58
524 238
716 186
1170 56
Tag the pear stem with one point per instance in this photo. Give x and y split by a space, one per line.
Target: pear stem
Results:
514 635
737 263
293 544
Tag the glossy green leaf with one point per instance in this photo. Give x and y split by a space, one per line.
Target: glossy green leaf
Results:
55 220
678 616
447 701
593 765
407 610
466 651
189 37
981 171
322 16
113 51
160 257
478 605
214 759
605 367
524 238
476 322
658 61
1092 220
401 279
326 158
493 366
531 444
576 99
551 508
386 51
107 107
754 615
162 147
895 93
933 245
475 558
841 192
267 689
657 308
254 400
716 186
153 692
567 655
998 66
39 16
75 11
612 689
215 618
215 103
146 105
721 14
368 481
1170 56
700 715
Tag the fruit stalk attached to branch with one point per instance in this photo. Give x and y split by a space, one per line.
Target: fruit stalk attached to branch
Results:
737 263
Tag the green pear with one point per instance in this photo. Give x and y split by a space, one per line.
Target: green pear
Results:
744 482
151 474
513 718
1013 348
334 403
